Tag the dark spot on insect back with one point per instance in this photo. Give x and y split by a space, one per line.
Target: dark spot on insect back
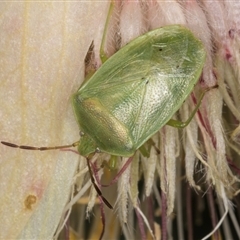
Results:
145 79
160 49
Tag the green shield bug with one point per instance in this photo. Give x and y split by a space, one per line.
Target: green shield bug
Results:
137 90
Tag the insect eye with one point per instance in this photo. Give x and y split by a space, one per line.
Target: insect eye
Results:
81 133
97 150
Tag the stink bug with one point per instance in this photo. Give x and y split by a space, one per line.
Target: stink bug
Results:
136 92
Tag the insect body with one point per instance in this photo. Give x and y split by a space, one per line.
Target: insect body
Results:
134 93
137 90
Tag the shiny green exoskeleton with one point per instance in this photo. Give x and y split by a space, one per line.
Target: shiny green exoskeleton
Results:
137 90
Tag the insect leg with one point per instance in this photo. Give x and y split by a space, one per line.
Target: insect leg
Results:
103 54
96 186
111 164
179 124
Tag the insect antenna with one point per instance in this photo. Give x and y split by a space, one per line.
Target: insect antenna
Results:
25 147
39 148
99 192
